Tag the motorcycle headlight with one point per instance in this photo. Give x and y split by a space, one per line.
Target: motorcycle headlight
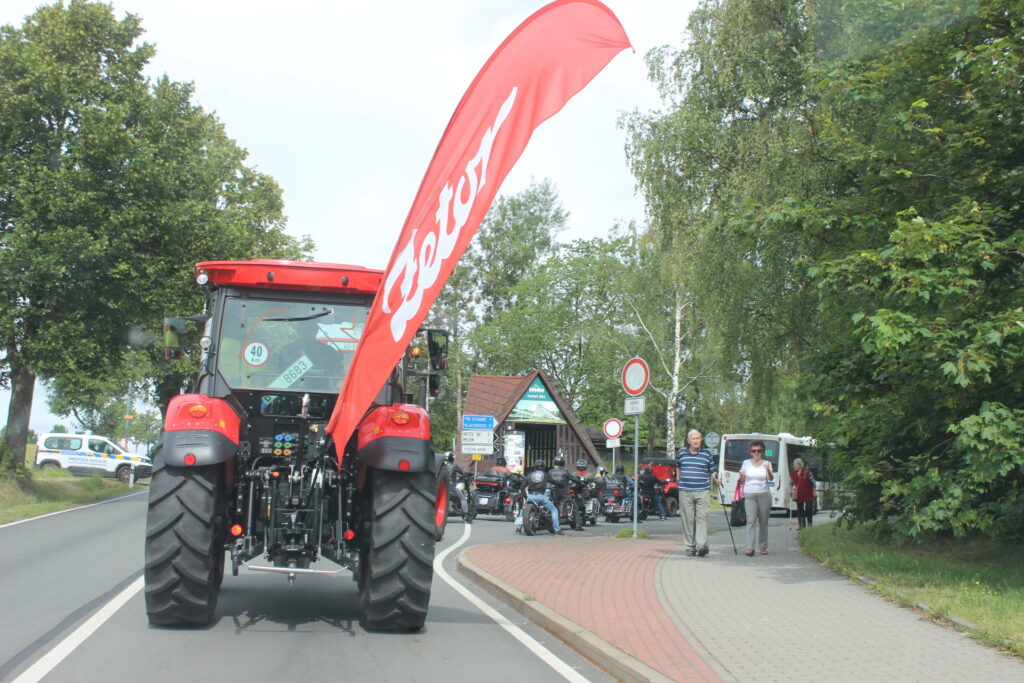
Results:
461 486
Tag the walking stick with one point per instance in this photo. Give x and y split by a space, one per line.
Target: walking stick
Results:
728 523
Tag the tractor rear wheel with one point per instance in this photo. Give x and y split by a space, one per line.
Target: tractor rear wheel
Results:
398 561
184 549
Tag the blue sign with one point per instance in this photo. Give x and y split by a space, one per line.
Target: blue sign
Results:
478 422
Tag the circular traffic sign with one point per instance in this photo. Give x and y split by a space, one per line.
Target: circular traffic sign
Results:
711 440
635 376
613 428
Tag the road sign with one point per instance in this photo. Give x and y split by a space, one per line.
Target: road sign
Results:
613 428
477 456
477 441
478 422
635 406
635 376
711 440
613 443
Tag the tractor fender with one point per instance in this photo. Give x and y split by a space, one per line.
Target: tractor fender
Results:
198 431
396 437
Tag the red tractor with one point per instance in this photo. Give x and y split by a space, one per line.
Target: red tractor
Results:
246 469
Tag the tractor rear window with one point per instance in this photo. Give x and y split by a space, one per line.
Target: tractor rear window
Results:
288 346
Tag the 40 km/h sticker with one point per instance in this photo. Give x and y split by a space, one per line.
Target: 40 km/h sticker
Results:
256 353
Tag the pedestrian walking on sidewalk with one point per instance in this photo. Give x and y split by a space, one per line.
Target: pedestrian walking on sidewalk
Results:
803 493
697 469
755 477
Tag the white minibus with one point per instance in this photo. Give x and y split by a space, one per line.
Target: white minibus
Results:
779 449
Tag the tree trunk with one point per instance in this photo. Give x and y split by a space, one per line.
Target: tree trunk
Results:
23 385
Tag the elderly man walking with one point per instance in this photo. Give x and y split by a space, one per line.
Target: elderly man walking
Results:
697 469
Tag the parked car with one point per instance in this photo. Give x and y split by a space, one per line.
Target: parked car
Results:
667 471
85 454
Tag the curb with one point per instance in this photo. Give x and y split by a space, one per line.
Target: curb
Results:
599 652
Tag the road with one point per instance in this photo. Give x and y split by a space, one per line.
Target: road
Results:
61 572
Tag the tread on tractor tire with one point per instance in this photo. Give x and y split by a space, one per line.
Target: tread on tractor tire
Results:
398 562
671 507
441 505
184 551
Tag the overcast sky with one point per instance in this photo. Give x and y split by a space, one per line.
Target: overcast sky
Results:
343 104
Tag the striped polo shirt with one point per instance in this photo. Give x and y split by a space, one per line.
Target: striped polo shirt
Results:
695 469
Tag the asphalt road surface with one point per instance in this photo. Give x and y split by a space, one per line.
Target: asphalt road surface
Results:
73 611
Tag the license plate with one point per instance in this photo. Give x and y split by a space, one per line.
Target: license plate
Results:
483 500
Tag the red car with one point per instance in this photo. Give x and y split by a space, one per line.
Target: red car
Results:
667 471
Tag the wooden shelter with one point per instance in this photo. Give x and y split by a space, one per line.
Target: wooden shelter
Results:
533 421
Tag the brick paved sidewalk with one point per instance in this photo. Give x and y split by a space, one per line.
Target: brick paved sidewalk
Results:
607 586
774 617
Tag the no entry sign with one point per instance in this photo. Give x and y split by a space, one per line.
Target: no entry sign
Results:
613 428
635 376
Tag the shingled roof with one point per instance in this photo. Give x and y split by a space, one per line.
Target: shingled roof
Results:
497 395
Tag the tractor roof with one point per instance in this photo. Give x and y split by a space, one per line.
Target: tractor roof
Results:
292 275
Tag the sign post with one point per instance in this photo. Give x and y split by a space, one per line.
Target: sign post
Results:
636 375
612 432
477 435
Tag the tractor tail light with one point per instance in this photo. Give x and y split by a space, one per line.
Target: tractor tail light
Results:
198 411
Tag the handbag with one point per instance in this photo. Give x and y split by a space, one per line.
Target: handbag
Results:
738 511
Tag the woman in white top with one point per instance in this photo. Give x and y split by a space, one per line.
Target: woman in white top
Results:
756 477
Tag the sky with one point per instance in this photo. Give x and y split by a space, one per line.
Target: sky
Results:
344 102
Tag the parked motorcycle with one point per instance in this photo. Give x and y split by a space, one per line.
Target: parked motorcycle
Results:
646 507
490 493
537 517
592 503
618 502
461 481
512 503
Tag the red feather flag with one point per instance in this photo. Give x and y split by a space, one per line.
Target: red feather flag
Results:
549 58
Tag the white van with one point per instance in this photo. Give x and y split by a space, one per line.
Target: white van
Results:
89 453
779 449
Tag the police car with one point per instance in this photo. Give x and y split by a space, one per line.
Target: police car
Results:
89 453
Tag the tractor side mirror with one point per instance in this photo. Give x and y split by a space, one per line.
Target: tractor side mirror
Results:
437 349
174 330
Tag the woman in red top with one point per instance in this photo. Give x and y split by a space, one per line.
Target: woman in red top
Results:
803 493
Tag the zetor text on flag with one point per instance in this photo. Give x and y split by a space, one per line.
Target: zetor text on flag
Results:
544 62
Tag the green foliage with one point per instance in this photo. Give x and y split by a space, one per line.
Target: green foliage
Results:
849 174
113 186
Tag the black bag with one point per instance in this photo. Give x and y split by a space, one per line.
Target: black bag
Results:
738 513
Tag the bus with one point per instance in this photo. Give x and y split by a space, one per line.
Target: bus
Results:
779 449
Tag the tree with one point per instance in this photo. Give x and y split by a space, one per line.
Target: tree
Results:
516 237
848 173
111 183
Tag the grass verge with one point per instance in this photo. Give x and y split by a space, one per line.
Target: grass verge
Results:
975 584
628 533
46 492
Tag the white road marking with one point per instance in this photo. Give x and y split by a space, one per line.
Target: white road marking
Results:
80 507
531 644
51 659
